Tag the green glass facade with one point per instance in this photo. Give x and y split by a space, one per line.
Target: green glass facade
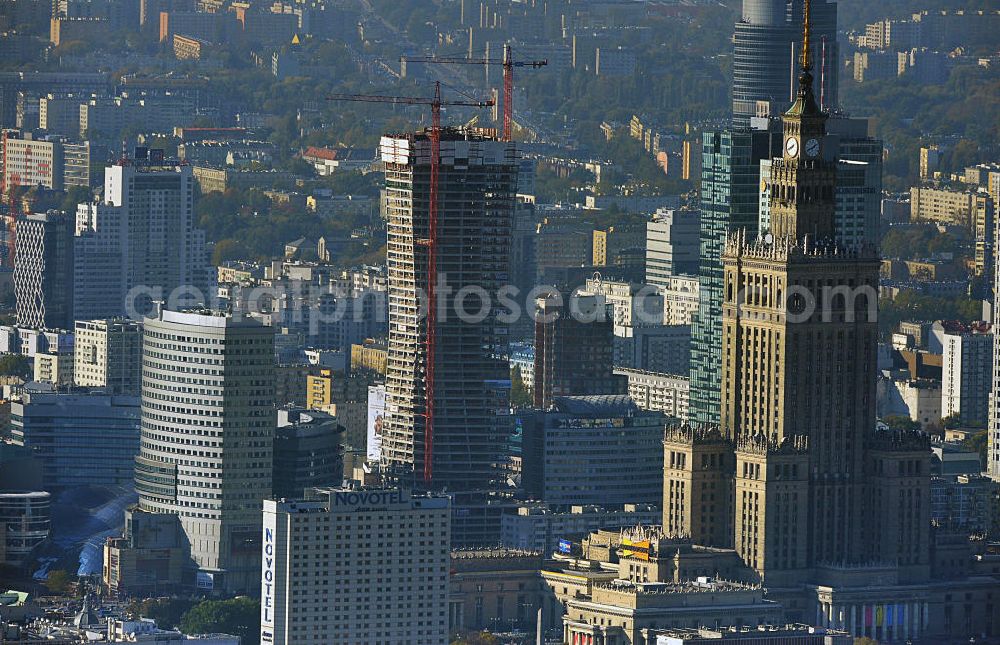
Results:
730 190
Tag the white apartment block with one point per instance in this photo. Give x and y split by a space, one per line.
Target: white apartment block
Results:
965 372
666 393
634 304
143 237
350 566
680 299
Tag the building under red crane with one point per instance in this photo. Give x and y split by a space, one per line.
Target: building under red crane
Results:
507 63
430 242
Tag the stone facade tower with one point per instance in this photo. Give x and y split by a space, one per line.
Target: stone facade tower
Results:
798 360
697 482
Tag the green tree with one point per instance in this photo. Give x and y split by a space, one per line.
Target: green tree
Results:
900 422
952 421
58 581
476 638
237 616
520 395
978 442
167 612
15 365
75 195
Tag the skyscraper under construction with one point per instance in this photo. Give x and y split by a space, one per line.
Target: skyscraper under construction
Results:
453 438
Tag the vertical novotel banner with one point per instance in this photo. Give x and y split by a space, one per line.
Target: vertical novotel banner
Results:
267 588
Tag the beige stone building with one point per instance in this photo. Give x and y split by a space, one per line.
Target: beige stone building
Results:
108 354
697 478
928 204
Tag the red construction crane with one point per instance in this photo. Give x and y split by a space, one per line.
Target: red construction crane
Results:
430 242
507 62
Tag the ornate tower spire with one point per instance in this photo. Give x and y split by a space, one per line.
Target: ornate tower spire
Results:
805 102
806 62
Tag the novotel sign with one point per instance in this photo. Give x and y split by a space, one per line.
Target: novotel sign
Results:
267 579
368 499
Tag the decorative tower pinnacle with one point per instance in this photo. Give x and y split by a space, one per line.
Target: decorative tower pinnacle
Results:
805 102
806 62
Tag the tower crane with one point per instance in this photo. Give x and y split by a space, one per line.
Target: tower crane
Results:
430 242
507 62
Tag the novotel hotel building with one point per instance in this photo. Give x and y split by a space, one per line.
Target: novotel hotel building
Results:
347 566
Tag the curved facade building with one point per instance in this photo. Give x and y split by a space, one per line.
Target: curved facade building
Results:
307 452
766 45
24 524
208 424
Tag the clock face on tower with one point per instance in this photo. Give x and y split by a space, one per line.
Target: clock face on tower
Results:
792 147
812 147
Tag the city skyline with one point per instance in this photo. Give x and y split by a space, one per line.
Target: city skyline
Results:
577 322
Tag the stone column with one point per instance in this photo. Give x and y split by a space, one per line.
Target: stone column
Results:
854 620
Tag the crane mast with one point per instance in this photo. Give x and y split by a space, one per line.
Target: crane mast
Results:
430 335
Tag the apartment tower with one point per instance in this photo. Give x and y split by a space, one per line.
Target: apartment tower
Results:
140 243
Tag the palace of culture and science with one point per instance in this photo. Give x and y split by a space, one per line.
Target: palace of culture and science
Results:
827 512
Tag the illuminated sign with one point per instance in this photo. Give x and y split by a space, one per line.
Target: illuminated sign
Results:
638 550
565 546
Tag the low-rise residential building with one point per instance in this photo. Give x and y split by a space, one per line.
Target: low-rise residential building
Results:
371 355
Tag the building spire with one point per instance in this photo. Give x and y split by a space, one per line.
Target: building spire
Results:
806 62
805 102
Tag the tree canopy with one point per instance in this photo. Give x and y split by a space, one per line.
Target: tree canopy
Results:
237 616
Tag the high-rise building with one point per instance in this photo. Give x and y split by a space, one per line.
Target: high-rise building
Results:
767 44
108 355
730 188
208 426
965 371
43 271
671 245
784 374
455 442
140 243
574 351
349 566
